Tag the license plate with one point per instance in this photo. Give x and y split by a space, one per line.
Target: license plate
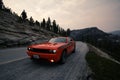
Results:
36 56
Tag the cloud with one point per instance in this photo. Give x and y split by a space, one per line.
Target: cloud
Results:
72 13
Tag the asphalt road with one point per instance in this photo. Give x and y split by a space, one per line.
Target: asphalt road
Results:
15 65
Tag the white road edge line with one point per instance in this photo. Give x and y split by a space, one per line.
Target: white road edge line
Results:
12 60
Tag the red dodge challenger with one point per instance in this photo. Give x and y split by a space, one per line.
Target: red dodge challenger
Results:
55 50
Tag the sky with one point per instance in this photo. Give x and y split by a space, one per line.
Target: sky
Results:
73 14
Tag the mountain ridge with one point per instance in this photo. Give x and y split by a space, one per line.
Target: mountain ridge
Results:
91 31
108 42
117 32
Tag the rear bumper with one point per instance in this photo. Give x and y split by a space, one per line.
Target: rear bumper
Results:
50 57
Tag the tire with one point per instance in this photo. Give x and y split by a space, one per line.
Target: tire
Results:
74 50
32 58
63 57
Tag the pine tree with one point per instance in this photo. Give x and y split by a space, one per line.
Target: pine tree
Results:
43 23
63 32
68 32
31 22
48 24
58 29
24 15
54 26
37 23
1 4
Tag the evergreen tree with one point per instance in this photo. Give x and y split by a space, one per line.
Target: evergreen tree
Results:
1 4
63 32
43 23
24 15
54 26
37 23
31 22
68 32
58 29
48 24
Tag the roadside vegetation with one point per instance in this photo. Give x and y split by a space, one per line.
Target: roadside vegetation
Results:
102 68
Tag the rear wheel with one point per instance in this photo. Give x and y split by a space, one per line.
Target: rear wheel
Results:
63 57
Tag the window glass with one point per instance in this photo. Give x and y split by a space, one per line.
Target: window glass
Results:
58 40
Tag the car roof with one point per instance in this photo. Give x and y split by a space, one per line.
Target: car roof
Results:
61 37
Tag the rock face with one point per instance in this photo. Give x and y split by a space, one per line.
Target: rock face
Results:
14 33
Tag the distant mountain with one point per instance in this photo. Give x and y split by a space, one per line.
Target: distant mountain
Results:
92 33
105 41
13 33
116 32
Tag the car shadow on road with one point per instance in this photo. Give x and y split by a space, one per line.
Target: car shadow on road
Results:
40 62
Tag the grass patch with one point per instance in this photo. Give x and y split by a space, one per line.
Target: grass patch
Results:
103 68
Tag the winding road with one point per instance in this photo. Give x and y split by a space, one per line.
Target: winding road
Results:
15 65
